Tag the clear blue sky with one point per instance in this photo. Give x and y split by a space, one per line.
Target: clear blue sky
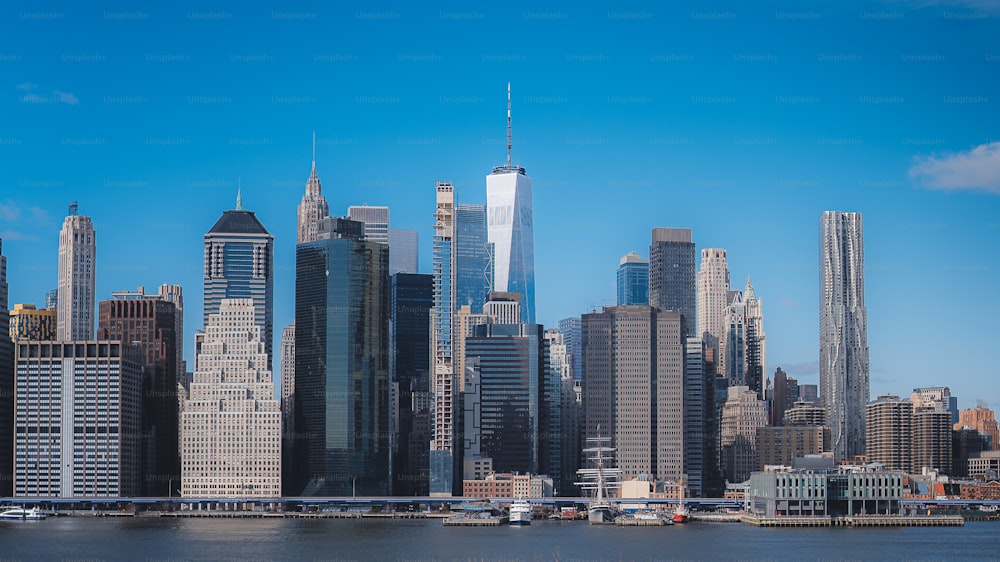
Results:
741 123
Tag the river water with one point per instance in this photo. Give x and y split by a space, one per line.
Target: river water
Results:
69 539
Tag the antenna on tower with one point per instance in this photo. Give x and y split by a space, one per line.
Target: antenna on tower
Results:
239 194
508 126
73 208
314 150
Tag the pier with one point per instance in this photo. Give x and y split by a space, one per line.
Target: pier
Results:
856 521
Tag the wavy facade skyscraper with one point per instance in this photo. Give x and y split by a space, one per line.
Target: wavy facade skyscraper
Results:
843 337
510 227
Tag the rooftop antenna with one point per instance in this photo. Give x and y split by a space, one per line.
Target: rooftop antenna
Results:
508 125
73 208
314 150
239 195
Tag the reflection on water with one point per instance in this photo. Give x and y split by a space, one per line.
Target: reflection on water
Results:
152 539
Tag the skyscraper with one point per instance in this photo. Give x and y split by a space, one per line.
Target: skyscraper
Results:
231 436
473 268
633 279
287 381
742 414
313 206
889 428
410 334
572 331
672 283
404 252
77 426
6 384
444 384
375 219
756 340
77 267
239 264
843 339
341 444
150 322
713 287
633 387
510 226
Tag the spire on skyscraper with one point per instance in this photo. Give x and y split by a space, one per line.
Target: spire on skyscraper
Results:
239 195
748 293
314 152
509 143
313 206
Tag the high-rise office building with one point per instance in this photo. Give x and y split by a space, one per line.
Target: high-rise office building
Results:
287 381
569 413
633 387
239 264
743 347
633 279
742 415
444 383
231 437
780 445
472 251
313 207
52 299
700 452
513 407
713 287
375 219
572 331
756 340
404 253
843 358
29 323
77 426
672 284
410 334
938 397
341 363
6 383
150 322
785 393
510 227
77 268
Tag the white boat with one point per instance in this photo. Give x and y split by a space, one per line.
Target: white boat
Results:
21 514
520 512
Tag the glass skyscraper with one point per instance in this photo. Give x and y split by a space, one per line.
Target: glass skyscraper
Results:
239 264
843 331
510 224
633 279
341 364
672 275
444 385
473 269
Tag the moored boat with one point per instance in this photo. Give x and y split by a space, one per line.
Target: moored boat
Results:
520 512
21 514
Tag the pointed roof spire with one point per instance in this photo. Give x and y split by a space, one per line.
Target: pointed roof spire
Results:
750 295
509 143
314 151
239 194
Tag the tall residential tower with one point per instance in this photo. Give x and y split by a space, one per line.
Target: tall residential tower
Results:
843 338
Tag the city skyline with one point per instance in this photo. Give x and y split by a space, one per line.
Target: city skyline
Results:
742 126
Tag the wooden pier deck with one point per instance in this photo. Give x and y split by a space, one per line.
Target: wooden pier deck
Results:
856 521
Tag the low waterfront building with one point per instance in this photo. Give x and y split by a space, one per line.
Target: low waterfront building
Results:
985 465
508 485
851 490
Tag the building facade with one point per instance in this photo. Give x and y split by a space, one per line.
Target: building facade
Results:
888 430
473 257
287 380
444 384
742 415
404 255
239 264
713 287
341 363
672 275
231 436
6 383
843 357
151 323
78 422
510 229
633 279
983 420
77 269
633 388
29 323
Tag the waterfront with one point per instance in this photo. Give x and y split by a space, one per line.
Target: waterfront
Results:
149 540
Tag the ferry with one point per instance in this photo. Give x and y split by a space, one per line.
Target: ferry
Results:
520 512
21 514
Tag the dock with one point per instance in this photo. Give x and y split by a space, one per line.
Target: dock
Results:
856 521
639 522
463 521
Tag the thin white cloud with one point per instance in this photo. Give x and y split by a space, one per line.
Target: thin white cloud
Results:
15 235
9 211
67 98
977 169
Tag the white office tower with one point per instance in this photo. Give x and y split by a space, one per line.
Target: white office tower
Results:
77 267
376 221
231 421
313 207
510 228
843 331
713 286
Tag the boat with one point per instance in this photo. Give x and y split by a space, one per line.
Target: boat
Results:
21 514
520 512
681 514
601 479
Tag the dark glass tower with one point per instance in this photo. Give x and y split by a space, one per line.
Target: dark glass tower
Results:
410 332
239 264
633 279
6 387
473 268
672 270
341 446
